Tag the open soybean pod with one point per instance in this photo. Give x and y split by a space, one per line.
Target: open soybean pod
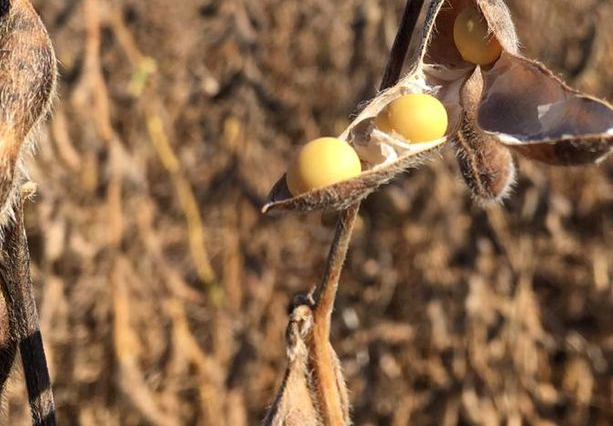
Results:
496 100
512 103
383 154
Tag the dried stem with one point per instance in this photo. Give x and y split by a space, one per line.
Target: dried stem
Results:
330 395
401 43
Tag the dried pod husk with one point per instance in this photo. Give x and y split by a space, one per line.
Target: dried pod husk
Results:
437 68
8 340
296 403
486 165
343 194
27 83
530 110
385 155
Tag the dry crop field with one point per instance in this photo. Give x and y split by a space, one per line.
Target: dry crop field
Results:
163 290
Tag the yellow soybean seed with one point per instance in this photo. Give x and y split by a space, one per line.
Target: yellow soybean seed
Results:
382 122
418 117
322 162
472 38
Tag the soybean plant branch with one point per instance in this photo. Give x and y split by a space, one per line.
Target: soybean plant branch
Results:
323 358
325 293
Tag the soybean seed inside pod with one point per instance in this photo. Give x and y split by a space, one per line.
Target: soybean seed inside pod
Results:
320 163
417 117
473 39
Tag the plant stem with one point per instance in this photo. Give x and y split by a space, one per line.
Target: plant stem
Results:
324 294
323 358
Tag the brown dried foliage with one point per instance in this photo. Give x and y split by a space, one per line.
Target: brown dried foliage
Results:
172 125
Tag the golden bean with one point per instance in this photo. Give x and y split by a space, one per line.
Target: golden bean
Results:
322 162
417 117
473 39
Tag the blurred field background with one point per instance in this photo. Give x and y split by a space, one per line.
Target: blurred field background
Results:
163 291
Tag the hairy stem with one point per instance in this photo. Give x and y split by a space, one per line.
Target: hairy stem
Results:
330 394
324 294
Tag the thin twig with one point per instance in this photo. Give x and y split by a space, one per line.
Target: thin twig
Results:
187 199
323 359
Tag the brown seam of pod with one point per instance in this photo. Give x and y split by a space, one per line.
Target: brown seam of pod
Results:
426 33
567 152
487 168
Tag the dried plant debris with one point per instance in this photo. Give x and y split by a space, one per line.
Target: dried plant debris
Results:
495 100
554 124
296 403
